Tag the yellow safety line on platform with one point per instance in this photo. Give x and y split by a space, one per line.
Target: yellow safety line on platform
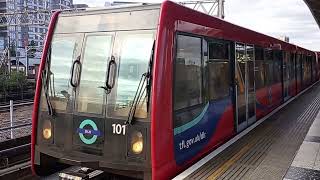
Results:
223 168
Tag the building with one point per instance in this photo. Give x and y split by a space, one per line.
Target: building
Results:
61 4
32 35
3 30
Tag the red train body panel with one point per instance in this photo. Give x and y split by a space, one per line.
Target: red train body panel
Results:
178 137
39 87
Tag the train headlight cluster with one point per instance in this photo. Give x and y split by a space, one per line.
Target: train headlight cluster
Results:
46 129
137 142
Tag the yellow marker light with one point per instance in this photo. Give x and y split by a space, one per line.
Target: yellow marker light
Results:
137 142
46 131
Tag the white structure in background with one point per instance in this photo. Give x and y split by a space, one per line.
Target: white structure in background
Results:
284 38
210 7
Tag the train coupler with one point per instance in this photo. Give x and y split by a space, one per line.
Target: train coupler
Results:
82 174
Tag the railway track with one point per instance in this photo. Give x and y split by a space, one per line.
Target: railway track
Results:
21 122
13 154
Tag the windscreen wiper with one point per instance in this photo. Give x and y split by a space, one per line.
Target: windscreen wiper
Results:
45 74
145 79
150 77
140 91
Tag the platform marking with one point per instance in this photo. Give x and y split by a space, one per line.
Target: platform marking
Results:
225 166
214 153
222 169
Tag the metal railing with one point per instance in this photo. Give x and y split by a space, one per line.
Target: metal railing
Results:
7 107
26 122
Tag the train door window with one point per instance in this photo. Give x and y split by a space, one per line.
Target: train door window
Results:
314 70
241 85
218 70
96 51
277 69
292 66
259 68
188 88
268 66
251 94
132 52
298 70
188 81
304 71
64 50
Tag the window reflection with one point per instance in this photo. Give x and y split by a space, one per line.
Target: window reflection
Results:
218 70
93 75
259 68
187 91
134 51
63 52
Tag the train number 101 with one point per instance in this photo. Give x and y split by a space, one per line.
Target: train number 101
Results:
119 129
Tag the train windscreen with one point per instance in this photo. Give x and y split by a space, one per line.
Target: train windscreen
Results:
96 70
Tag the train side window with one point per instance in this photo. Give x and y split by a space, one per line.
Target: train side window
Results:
259 68
292 68
314 70
268 66
188 72
218 70
298 68
278 56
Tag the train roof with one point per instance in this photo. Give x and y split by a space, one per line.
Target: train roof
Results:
111 9
188 14
230 31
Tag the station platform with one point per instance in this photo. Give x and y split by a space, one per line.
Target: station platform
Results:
306 163
270 148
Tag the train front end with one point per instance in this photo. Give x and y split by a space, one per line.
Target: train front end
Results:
93 92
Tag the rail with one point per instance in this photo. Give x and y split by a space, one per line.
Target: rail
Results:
16 126
14 152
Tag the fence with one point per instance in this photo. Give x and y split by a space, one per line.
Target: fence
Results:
13 125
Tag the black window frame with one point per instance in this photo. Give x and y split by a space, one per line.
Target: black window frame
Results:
228 60
259 84
203 96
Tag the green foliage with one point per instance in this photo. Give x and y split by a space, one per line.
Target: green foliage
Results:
15 84
17 79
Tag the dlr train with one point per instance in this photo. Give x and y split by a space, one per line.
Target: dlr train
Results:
146 91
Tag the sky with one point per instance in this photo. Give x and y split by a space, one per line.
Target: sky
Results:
290 18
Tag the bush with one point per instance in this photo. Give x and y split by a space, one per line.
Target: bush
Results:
14 86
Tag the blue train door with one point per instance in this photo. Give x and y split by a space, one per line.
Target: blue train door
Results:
245 86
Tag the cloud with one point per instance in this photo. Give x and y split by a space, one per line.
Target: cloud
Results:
286 17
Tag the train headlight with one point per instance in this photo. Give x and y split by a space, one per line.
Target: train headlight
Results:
46 129
136 142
